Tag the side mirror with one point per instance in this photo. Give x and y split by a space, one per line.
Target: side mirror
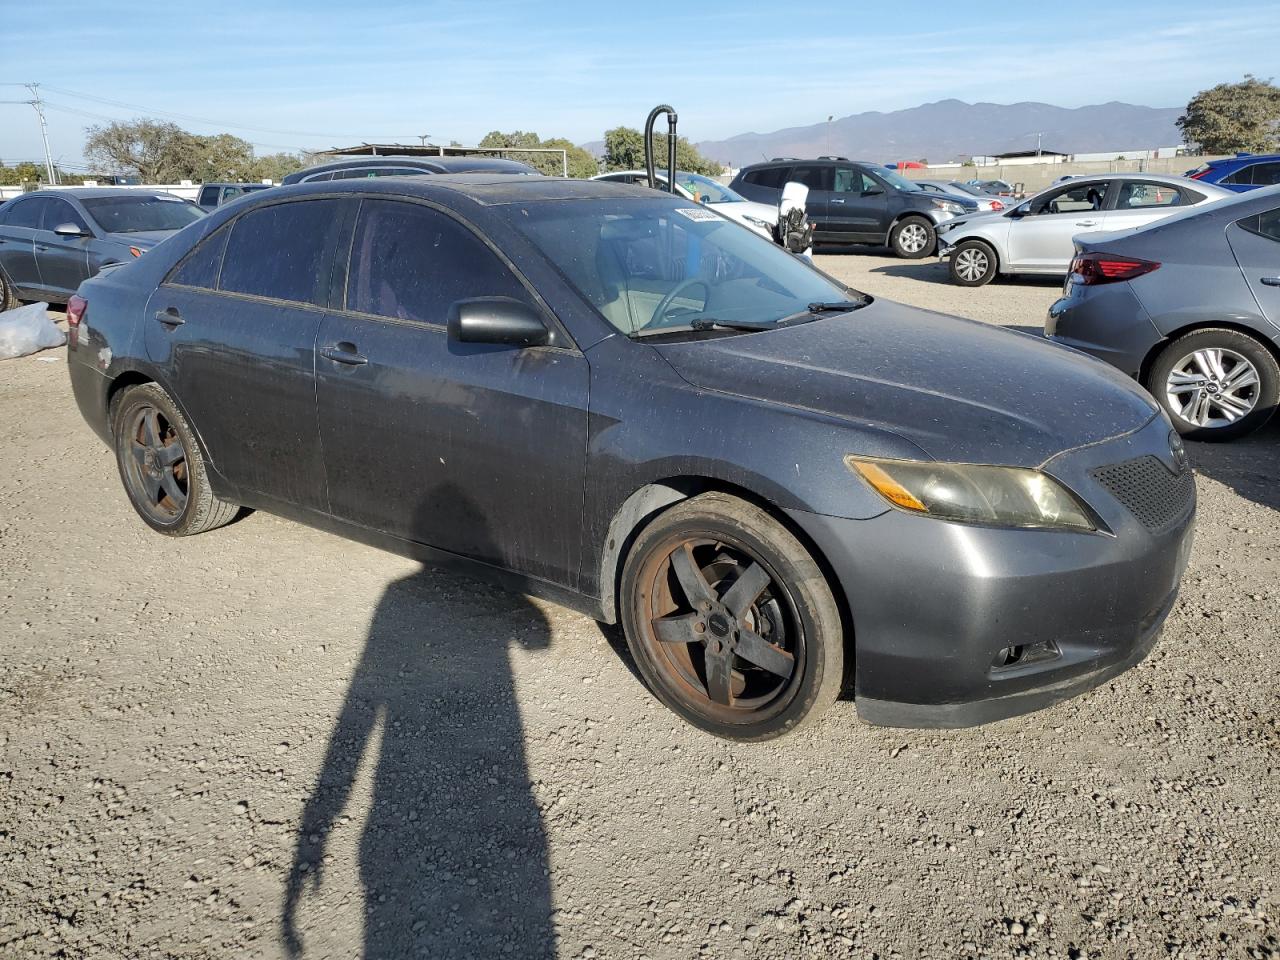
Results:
497 320
70 230
1020 211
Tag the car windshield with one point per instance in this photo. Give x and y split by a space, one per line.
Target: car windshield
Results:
897 180
139 213
706 190
666 265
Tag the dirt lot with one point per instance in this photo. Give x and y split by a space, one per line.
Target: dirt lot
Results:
268 742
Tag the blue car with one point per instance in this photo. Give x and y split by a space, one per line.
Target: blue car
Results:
1242 172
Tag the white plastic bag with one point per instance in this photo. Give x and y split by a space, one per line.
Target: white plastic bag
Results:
27 330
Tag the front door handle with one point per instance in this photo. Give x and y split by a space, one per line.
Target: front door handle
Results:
837 199
1271 281
170 317
41 248
343 352
1086 223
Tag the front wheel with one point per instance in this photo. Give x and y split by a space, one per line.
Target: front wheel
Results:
1216 384
730 620
972 264
913 238
161 465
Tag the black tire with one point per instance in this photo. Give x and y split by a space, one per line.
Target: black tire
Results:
1216 384
763 691
973 263
8 299
913 238
161 465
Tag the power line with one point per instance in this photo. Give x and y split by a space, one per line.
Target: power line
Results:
216 123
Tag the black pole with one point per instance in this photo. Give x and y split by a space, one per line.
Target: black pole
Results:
671 146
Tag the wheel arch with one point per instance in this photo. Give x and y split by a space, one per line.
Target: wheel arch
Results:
648 502
1148 361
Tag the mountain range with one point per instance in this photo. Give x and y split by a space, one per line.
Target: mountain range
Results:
954 130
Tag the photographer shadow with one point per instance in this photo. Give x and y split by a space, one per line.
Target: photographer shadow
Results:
452 853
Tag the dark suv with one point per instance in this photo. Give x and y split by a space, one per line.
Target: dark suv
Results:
852 201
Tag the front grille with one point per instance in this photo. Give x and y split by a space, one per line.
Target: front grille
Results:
1154 494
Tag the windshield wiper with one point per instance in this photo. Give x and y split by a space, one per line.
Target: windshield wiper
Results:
825 306
708 323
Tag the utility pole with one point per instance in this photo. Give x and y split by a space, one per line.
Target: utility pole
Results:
1038 136
44 131
38 104
423 137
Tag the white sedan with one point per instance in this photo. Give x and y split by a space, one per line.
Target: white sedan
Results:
759 217
1036 236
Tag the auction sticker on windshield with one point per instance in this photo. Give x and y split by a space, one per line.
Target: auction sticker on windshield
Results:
697 213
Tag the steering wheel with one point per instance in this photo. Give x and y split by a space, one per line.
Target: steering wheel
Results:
664 304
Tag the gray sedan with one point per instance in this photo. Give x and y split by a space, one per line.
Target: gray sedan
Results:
1190 307
51 241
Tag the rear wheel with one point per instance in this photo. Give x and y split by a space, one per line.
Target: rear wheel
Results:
8 298
1216 384
730 621
913 238
972 264
161 465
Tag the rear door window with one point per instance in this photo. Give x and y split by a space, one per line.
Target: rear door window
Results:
1140 195
411 262
813 176
1265 224
28 213
772 177
200 268
280 251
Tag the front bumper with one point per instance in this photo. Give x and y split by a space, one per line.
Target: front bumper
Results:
934 603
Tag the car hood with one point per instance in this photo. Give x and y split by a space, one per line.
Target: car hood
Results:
960 390
143 240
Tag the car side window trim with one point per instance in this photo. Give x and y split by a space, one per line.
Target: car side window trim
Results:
339 304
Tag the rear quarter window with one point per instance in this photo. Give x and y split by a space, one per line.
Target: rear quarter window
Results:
1266 224
772 177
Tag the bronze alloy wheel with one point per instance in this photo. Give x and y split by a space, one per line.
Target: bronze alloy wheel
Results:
730 621
723 629
156 465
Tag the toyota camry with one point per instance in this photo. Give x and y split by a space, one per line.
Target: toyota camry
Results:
613 398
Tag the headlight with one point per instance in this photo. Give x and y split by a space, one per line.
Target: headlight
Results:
757 222
949 206
972 493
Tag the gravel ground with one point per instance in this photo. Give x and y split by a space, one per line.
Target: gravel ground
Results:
269 742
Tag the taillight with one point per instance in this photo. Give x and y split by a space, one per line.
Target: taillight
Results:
76 307
996 205
1094 268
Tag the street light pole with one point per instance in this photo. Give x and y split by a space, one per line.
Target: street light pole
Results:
829 118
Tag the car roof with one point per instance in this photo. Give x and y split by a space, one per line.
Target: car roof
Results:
792 161
423 163
486 189
84 193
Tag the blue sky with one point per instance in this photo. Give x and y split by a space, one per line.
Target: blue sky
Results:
319 74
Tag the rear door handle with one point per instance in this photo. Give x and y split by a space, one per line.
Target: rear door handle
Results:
170 317
42 248
1271 281
1086 223
343 352
837 200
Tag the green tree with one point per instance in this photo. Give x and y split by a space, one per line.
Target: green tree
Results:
1234 117
22 173
624 150
580 163
165 153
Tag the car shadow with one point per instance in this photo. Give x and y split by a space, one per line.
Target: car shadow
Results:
929 270
452 854
1250 466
